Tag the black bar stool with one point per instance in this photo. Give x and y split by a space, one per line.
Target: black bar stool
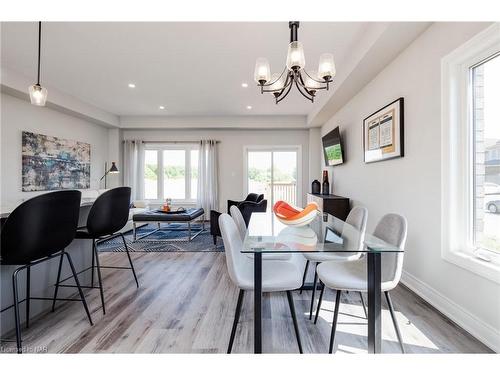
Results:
36 231
108 215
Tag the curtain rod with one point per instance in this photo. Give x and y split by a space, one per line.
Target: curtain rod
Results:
190 142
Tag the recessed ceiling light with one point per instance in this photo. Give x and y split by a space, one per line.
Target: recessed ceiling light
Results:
161 107
244 84
249 107
131 85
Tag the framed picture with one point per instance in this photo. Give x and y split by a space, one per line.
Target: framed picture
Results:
383 133
51 163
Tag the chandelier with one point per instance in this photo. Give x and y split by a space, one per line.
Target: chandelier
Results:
308 83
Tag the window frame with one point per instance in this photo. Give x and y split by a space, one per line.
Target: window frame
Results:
160 147
295 148
458 155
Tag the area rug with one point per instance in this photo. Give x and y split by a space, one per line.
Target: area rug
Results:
156 241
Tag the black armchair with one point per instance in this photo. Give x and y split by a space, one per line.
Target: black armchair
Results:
252 197
252 203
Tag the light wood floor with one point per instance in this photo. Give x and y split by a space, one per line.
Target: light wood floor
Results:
186 302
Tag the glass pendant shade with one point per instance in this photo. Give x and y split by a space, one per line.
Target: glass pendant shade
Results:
295 59
277 82
262 72
38 95
310 82
326 69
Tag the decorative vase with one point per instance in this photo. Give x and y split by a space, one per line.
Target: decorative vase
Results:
326 184
295 216
316 187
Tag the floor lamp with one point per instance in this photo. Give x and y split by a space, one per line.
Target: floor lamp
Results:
112 170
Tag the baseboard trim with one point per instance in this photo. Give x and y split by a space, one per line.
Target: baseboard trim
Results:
484 332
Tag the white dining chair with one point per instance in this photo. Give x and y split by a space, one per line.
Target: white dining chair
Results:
351 276
242 229
277 276
357 218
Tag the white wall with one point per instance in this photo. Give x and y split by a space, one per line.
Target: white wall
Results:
18 115
231 152
411 185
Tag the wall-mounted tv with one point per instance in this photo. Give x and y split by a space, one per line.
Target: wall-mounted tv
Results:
332 148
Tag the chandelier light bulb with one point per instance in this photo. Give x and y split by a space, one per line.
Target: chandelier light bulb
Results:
38 95
262 72
326 67
295 59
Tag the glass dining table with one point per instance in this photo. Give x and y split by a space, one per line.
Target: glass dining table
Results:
326 233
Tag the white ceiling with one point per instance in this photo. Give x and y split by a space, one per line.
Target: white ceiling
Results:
192 69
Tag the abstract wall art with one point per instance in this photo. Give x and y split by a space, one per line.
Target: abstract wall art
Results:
51 163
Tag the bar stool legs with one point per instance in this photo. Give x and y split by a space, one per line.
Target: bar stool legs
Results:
75 276
16 311
99 277
130 259
57 282
28 294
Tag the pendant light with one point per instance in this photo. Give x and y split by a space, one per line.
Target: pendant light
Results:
294 73
38 94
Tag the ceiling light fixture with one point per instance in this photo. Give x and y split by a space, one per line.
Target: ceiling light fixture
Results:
161 107
38 94
131 85
294 73
249 107
244 85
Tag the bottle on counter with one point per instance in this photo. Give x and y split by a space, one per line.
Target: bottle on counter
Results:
326 184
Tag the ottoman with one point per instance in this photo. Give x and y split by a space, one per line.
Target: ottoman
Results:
188 216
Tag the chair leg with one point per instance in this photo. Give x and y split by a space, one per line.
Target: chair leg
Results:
313 291
16 311
363 303
28 295
319 302
92 270
215 240
77 282
394 321
304 277
129 259
57 282
294 318
99 278
335 317
236 318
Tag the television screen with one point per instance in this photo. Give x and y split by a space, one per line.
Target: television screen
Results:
332 148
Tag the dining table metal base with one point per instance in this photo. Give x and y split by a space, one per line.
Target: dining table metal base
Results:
257 273
374 302
374 279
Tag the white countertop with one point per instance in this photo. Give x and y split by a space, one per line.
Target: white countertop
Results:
5 210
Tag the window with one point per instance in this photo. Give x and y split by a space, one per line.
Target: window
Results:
470 140
274 173
151 174
485 127
171 171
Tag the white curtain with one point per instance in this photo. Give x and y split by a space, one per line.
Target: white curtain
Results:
133 167
208 175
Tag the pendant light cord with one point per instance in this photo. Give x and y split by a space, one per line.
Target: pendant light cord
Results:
39 45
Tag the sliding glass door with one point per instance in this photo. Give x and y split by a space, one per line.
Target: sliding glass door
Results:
274 172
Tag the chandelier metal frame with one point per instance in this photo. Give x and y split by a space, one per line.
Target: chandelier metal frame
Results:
294 76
